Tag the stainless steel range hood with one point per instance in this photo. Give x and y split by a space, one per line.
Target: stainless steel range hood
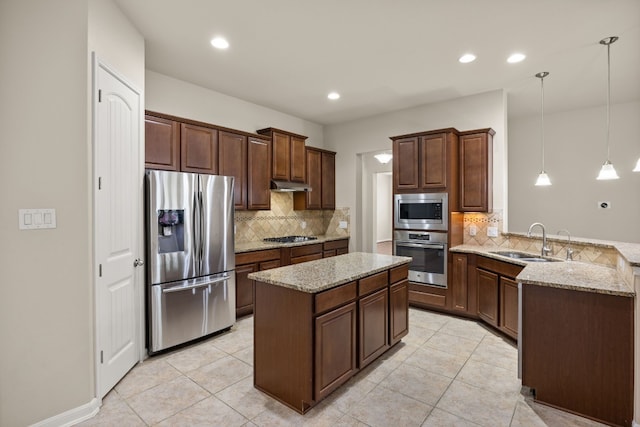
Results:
288 186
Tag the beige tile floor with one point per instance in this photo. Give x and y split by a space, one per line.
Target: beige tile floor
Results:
446 372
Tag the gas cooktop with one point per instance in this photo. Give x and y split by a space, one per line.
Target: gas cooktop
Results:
289 239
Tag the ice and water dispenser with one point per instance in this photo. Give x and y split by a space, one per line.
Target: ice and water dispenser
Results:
170 230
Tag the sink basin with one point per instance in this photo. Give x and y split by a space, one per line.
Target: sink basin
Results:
524 256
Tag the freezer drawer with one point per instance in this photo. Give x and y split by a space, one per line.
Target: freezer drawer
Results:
186 310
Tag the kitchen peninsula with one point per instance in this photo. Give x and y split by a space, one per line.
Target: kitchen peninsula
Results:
318 323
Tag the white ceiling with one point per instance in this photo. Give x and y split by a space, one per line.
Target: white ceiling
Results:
384 55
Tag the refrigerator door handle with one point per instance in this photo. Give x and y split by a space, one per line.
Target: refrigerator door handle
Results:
195 211
202 228
197 285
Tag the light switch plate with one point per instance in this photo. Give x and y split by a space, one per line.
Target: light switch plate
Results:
33 219
343 224
492 231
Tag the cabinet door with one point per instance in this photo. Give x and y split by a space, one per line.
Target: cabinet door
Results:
328 181
459 282
433 161
198 149
405 164
374 326
509 306
335 349
161 143
297 159
281 169
233 162
488 297
398 311
258 174
476 172
314 179
244 289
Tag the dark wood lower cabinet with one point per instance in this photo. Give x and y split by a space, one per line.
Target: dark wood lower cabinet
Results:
509 307
306 345
374 326
578 351
244 289
488 296
335 341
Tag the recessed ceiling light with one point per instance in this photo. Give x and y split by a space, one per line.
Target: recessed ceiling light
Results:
219 43
467 57
516 57
333 95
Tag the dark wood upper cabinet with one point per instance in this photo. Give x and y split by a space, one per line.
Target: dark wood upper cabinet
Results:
199 149
405 164
233 162
321 177
258 174
162 143
433 161
288 161
328 180
427 162
298 166
476 170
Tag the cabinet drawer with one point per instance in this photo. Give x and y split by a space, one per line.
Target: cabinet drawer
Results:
328 254
267 265
335 297
335 244
373 283
397 274
306 250
500 267
305 258
426 298
257 256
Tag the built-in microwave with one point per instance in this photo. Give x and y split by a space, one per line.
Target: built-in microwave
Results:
424 211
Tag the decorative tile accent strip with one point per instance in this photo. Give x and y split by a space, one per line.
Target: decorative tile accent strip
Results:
282 220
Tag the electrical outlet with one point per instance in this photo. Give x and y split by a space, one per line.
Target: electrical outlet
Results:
343 224
303 224
492 231
604 205
473 230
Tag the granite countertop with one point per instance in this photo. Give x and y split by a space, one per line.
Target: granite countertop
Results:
573 275
260 245
326 273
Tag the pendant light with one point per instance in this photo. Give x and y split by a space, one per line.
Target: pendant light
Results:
607 171
543 178
637 168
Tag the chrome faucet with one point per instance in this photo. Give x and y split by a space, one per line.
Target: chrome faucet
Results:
545 249
569 250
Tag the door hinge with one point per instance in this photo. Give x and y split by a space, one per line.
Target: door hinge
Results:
101 356
99 183
99 270
99 95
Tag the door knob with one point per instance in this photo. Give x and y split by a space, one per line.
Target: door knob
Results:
138 262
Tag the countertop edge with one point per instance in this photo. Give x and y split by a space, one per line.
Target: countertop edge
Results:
259 245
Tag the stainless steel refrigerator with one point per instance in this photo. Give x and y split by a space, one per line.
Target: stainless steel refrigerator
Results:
191 289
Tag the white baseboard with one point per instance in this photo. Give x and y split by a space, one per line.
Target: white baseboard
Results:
72 416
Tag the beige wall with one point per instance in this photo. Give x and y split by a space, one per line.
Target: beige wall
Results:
46 301
352 139
575 149
176 97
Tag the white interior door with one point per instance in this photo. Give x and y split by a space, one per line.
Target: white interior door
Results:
117 180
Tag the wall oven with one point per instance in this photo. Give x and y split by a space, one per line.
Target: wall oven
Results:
429 256
424 211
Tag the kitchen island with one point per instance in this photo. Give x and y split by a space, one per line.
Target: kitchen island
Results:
316 324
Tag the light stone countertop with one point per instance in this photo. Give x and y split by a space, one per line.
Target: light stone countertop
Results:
259 245
327 273
573 275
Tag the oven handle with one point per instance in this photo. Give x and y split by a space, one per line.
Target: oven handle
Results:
421 245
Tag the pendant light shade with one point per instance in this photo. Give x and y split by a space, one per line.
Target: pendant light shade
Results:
543 178
637 168
608 171
383 157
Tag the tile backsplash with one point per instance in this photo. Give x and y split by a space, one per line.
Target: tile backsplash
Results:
585 252
282 220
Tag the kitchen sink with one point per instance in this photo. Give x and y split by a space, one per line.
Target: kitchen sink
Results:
524 256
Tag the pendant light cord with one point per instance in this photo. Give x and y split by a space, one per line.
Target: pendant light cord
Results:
608 94
542 118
